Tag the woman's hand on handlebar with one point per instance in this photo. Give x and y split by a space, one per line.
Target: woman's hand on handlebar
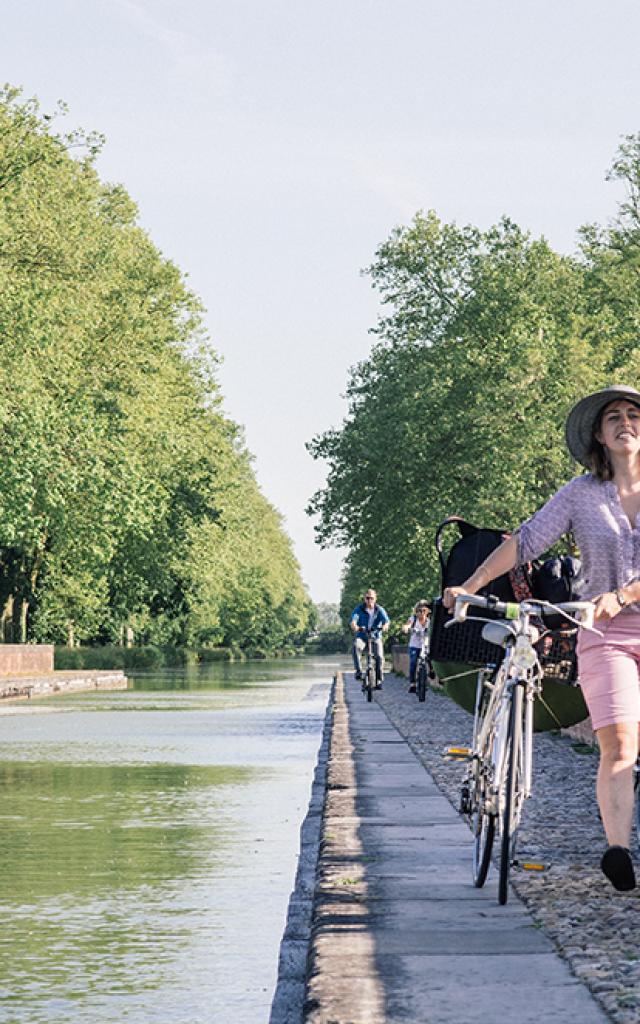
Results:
607 606
449 596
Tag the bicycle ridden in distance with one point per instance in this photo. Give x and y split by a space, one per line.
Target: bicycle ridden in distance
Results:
369 621
499 776
371 676
424 670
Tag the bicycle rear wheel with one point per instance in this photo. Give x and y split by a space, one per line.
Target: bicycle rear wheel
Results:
421 681
512 802
484 827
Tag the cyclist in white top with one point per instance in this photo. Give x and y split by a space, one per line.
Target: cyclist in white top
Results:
417 625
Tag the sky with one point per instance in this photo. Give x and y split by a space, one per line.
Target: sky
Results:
273 145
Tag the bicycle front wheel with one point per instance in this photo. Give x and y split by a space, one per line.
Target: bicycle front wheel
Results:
370 682
421 681
513 792
636 791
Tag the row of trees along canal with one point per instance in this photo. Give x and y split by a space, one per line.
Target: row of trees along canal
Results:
128 501
487 340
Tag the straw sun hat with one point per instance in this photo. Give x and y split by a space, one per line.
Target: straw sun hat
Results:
581 419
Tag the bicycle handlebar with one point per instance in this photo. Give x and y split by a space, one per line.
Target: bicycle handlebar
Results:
582 610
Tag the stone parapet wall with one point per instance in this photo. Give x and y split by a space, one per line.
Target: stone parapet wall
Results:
400 659
25 659
581 733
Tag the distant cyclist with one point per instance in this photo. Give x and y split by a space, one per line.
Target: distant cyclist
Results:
417 626
369 615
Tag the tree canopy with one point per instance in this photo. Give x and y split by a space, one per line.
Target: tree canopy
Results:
128 497
486 340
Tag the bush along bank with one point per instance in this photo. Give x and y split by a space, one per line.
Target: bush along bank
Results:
147 657
107 657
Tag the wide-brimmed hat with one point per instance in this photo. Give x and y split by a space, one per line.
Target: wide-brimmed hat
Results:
578 430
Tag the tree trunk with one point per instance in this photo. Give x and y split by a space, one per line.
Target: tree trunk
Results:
6 621
23 608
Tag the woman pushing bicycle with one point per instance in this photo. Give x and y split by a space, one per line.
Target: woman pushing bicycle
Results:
602 508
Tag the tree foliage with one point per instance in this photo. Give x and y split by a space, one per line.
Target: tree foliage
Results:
486 341
128 498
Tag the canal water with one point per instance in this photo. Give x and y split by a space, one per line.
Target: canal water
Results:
149 841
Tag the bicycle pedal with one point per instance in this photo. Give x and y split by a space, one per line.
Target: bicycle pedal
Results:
528 865
457 753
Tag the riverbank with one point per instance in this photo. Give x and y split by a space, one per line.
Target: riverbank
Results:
393 894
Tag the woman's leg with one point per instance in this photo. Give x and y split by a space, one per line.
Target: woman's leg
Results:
414 653
618 753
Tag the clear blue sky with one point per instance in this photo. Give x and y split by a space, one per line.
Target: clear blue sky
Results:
272 144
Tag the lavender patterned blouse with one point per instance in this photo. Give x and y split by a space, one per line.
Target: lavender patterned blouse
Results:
609 547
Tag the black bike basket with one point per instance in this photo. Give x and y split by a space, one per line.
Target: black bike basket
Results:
461 642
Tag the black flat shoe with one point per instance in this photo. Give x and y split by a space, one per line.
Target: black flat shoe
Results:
618 867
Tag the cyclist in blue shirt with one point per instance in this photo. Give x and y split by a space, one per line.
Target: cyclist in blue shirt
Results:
369 615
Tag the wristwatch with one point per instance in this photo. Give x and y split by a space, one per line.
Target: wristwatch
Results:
621 598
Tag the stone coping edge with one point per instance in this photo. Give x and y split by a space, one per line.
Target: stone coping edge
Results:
287 1006
49 684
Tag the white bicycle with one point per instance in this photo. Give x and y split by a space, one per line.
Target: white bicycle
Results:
499 776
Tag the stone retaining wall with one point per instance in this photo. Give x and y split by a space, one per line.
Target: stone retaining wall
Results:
400 659
52 683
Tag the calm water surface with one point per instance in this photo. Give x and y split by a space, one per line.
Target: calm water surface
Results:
149 841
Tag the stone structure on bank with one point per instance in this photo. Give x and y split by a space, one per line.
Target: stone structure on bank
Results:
22 659
26 670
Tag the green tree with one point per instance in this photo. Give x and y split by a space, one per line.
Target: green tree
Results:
460 406
118 471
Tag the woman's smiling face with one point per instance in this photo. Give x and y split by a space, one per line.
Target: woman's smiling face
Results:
620 428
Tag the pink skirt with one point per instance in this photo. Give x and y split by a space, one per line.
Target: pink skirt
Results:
609 669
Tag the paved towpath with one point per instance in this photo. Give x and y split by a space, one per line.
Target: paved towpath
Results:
399 932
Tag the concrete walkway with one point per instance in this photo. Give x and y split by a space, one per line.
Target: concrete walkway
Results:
399 932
